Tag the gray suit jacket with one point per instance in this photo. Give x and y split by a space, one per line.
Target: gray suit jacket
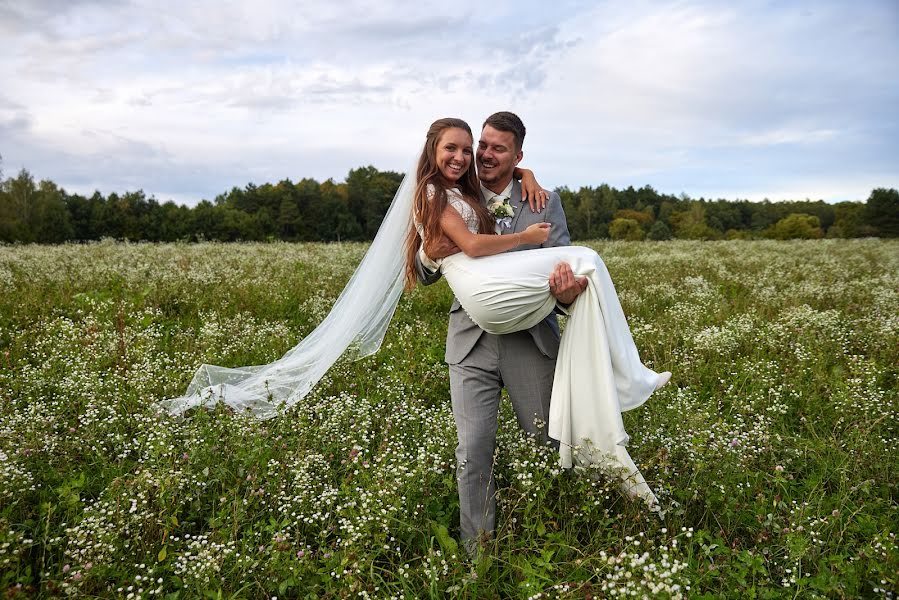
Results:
462 333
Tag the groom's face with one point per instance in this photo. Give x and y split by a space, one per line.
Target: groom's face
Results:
497 157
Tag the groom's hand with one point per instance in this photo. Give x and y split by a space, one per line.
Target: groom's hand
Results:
440 248
564 286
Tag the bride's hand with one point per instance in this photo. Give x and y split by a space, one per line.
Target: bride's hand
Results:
531 190
535 234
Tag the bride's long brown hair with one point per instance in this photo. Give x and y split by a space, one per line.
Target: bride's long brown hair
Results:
428 211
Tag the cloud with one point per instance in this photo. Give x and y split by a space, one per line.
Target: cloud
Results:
788 135
192 98
658 87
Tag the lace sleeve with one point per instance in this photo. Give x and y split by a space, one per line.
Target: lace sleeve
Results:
454 198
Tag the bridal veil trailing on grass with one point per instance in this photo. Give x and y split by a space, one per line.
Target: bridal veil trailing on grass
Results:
355 326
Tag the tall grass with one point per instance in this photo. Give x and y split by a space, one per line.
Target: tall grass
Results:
774 451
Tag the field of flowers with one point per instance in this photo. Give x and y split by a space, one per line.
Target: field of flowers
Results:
775 450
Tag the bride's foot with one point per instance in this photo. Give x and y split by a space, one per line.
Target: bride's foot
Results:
664 378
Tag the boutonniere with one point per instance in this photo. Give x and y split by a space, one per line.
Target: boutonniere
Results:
502 211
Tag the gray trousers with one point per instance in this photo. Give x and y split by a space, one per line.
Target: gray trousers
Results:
496 361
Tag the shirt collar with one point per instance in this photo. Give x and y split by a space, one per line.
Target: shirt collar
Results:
489 194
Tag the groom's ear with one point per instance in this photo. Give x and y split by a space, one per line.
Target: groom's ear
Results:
518 156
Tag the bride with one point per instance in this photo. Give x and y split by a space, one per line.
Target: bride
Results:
598 371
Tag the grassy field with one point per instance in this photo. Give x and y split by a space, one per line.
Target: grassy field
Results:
775 450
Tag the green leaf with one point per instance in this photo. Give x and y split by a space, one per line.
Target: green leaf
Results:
447 543
162 554
286 585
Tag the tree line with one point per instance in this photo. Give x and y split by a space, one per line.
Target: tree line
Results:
308 210
637 214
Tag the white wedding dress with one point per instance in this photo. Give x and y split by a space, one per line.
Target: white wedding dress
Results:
598 370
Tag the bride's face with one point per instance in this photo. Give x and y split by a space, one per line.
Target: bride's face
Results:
454 152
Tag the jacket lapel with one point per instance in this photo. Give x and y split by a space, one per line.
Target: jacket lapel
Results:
515 203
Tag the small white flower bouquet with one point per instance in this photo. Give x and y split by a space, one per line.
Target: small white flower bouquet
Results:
503 212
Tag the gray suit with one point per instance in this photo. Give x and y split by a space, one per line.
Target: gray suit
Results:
481 364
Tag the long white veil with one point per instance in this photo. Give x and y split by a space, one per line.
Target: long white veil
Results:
356 325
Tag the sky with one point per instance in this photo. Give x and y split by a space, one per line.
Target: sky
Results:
187 99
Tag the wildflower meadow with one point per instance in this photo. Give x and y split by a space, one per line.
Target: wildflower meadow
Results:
774 450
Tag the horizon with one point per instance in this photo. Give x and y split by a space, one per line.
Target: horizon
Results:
679 195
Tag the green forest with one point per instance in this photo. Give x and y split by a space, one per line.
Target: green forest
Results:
313 211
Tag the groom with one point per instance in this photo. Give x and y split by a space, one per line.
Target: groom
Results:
481 364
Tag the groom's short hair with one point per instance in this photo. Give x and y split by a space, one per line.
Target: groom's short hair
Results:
506 121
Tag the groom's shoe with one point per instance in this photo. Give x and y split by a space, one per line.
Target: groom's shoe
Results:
664 378
473 552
